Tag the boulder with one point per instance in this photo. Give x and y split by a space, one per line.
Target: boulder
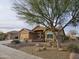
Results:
74 56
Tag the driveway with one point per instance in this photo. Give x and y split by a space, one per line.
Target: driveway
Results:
5 42
10 53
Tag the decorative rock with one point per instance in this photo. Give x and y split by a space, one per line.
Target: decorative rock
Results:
74 56
44 48
38 49
48 45
39 45
36 45
41 49
60 49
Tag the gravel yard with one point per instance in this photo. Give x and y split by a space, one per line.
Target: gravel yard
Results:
48 54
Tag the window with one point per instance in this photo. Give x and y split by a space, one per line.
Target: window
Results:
49 36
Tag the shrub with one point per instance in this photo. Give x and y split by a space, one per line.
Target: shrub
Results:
16 41
16 37
44 48
78 38
65 38
2 36
26 41
73 48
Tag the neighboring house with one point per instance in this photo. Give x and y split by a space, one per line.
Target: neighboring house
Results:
72 36
12 35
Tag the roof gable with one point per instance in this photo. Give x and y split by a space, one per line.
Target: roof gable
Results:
24 29
38 28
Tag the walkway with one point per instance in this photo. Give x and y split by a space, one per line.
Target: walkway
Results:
10 53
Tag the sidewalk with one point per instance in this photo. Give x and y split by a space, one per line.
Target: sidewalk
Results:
10 53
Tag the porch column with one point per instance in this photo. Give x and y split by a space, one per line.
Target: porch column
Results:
40 35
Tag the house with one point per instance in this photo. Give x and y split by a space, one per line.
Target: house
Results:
39 33
49 34
34 35
25 34
73 36
12 35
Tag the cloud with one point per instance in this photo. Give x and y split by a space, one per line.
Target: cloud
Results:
8 19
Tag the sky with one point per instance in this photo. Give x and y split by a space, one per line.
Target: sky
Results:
8 19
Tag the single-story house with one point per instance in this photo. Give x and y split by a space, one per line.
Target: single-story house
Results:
25 34
12 35
39 33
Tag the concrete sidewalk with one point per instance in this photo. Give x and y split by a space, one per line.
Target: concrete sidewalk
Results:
10 53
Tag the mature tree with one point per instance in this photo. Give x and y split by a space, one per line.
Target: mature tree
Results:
49 13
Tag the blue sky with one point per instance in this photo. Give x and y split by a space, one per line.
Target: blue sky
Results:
9 21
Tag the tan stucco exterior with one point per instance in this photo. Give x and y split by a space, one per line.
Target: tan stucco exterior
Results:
24 34
46 35
60 34
37 34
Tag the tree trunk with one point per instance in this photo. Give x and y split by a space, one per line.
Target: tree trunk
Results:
58 42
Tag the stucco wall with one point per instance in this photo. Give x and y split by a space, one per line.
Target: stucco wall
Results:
24 35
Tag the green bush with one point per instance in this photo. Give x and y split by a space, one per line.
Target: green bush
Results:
16 41
78 38
2 36
73 48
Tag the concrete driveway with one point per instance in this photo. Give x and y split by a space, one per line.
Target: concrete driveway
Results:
10 53
5 42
